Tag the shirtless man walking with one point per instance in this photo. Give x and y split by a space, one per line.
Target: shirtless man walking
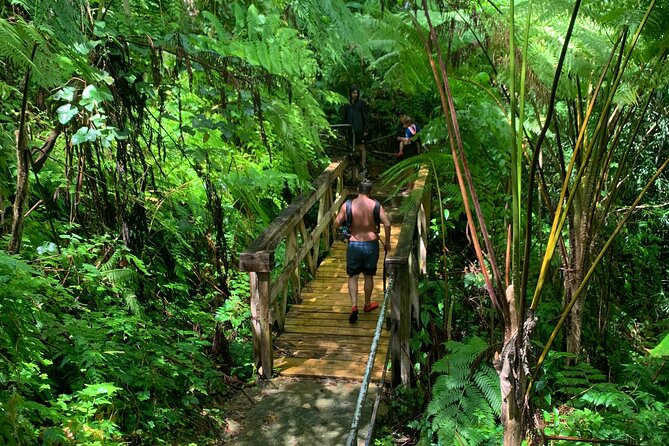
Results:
362 253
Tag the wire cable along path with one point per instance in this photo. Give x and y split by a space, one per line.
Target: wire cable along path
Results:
299 294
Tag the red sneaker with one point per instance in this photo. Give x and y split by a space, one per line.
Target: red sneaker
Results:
371 306
354 315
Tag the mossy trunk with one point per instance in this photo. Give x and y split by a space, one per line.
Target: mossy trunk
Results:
21 196
22 169
512 365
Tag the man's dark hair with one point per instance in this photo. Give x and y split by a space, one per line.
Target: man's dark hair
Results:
354 88
365 187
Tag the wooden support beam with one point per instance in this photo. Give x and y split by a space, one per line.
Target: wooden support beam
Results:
311 254
326 236
260 323
409 258
301 253
258 261
400 314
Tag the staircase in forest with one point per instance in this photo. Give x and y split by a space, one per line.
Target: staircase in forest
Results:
299 286
318 340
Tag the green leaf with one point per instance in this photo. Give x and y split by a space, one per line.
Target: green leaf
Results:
85 134
80 136
65 93
662 350
92 97
66 113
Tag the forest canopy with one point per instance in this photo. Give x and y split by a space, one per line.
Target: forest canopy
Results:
145 145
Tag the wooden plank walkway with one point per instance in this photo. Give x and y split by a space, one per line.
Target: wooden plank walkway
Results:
318 340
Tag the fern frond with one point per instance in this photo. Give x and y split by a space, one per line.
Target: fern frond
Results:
132 303
120 277
466 396
16 42
487 381
253 23
607 395
330 27
112 262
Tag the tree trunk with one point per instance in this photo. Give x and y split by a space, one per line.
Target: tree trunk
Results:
513 366
220 349
574 328
575 272
22 189
573 281
22 169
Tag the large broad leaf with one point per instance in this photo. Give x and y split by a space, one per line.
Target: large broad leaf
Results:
66 113
85 134
661 350
93 96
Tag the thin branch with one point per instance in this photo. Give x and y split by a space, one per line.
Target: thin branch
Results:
443 92
537 149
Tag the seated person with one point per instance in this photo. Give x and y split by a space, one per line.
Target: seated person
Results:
408 147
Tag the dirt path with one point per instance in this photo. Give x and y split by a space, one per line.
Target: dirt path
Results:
296 412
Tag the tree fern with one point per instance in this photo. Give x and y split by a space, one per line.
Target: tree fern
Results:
609 411
56 39
466 397
17 40
400 53
607 395
569 380
330 26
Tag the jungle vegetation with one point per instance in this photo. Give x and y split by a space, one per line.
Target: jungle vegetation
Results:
145 144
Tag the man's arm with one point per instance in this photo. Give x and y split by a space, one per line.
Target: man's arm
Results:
341 217
386 227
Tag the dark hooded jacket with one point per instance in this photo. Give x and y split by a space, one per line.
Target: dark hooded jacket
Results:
355 114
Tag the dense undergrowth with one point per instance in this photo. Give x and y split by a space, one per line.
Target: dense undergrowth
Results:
454 395
87 361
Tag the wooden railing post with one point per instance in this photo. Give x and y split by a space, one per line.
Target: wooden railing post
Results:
324 206
259 267
406 265
401 322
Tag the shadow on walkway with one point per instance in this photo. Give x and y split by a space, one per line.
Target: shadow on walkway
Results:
292 412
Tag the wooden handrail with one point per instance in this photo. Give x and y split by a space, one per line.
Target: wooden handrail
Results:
269 298
405 265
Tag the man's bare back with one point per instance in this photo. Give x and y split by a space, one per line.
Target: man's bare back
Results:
363 227
362 252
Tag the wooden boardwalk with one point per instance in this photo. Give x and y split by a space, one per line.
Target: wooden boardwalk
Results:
318 340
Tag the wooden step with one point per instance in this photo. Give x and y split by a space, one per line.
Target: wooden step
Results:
318 340
353 370
332 342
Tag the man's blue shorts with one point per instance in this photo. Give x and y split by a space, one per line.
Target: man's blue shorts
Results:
361 257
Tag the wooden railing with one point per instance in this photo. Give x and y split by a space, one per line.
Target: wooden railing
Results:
269 296
405 266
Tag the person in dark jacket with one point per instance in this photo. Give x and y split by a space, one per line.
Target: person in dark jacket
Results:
355 114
